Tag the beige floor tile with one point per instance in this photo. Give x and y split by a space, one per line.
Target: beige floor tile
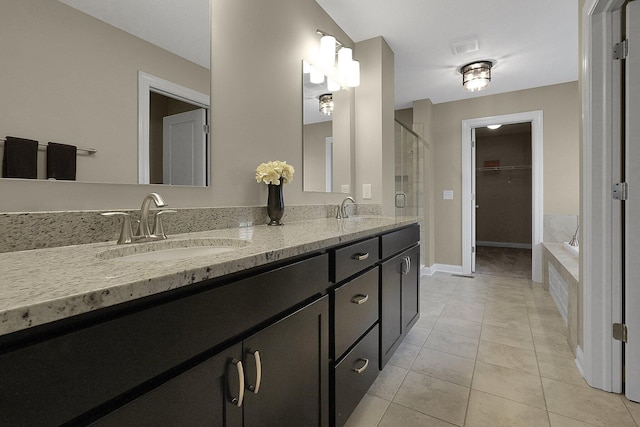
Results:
431 308
440 287
513 337
453 344
541 325
451 325
478 293
417 336
399 416
634 409
404 356
486 410
561 421
508 357
586 404
509 383
368 413
427 321
505 320
552 344
514 299
458 298
388 382
444 366
472 312
434 297
434 397
560 369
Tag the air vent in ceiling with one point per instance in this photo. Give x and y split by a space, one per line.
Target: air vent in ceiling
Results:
465 46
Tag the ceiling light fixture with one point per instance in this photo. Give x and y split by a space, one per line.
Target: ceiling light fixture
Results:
476 75
494 127
326 104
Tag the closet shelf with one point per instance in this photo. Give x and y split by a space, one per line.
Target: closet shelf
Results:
503 168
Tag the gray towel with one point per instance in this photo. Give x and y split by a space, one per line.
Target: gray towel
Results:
20 158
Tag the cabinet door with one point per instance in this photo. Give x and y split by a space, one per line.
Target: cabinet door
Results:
294 361
201 396
390 308
411 290
399 300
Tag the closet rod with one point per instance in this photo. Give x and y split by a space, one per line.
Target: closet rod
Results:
86 150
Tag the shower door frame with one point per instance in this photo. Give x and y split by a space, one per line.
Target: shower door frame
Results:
468 198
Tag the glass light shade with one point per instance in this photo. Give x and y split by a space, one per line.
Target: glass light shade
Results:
494 127
332 86
315 76
326 104
345 57
353 78
476 76
328 50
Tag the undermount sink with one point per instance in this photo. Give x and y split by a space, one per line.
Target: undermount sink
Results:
171 250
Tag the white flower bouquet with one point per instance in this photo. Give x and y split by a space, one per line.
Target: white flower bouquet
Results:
274 172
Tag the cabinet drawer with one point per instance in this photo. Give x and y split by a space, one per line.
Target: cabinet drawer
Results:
399 240
356 309
351 259
70 374
354 375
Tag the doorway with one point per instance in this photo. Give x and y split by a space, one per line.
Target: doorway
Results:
503 200
468 192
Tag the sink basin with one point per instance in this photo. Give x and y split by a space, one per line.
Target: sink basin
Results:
171 250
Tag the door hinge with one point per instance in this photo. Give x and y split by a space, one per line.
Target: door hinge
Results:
621 50
620 332
620 191
206 129
473 249
473 143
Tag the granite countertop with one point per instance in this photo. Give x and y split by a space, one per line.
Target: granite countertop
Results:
44 285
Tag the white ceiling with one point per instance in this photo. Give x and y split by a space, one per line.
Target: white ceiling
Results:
179 26
535 42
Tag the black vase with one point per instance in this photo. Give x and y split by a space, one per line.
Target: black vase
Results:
275 204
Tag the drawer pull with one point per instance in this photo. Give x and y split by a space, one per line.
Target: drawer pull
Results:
360 257
360 299
256 356
238 400
363 367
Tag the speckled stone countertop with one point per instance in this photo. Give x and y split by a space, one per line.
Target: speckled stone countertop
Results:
568 260
44 285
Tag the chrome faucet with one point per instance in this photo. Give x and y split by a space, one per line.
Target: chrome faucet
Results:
145 231
342 210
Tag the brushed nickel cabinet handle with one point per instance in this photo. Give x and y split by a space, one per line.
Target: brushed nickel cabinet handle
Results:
360 257
238 400
406 265
363 367
360 299
256 356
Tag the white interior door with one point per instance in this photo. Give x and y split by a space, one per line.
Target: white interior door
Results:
632 206
185 148
474 202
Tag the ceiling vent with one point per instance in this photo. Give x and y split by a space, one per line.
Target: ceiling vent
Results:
465 46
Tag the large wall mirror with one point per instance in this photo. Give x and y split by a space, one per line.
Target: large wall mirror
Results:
71 74
327 134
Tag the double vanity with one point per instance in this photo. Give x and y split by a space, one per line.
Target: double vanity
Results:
268 326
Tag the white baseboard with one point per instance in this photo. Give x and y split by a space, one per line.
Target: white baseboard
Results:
504 244
443 268
579 359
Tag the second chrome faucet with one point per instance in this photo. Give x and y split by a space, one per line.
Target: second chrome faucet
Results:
342 209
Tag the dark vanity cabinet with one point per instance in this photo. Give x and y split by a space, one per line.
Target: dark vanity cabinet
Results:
399 289
293 343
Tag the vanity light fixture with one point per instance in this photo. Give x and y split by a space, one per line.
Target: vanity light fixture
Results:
348 69
326 104
476 75
494 127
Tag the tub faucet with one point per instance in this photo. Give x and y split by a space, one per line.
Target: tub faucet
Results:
145 231
342 210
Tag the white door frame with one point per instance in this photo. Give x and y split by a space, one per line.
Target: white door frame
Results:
468 204
600 357
146 84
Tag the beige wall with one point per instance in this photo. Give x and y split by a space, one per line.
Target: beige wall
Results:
70 78
560 105
257 53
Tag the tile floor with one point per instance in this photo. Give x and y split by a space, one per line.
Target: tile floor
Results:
487 351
